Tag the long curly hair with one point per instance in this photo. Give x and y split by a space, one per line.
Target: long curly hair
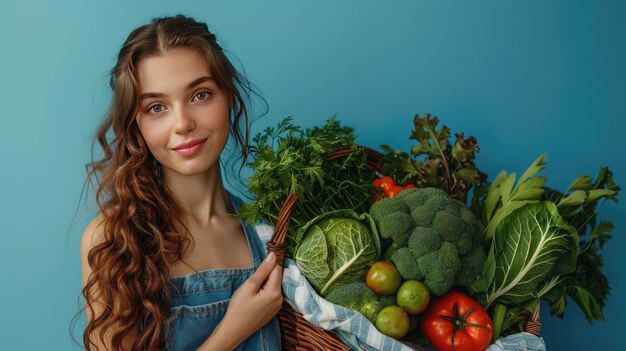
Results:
143 232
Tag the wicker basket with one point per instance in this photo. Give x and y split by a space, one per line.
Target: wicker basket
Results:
296 332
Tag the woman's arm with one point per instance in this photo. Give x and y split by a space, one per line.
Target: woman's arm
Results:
251 307
92 236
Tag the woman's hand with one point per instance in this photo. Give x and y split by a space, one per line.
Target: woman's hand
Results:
252 306
258 299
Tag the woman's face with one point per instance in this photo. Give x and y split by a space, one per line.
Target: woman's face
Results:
184 116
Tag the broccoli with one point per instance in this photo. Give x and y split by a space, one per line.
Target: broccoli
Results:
386 256
357 296
406 263
439 240
471 265
395 219
440 268
387 301
424 240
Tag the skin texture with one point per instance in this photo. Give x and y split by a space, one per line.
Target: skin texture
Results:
182 114
176 114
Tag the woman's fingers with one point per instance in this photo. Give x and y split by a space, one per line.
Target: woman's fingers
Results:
274 281
273 289
263 271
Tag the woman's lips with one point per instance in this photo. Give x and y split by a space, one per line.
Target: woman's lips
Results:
192 150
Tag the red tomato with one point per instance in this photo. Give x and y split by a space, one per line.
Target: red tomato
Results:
457 322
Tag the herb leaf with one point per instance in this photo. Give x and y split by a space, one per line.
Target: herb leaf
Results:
435 161
289 159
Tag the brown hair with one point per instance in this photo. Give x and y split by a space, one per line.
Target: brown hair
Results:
131 265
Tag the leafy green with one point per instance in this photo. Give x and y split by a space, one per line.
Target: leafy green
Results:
531 245
588 286
290 159
504 196
337 248
435 161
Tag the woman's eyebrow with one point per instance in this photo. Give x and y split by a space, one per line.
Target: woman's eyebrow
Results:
198 82
191 85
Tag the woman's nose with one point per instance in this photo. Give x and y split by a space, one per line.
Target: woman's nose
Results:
184 120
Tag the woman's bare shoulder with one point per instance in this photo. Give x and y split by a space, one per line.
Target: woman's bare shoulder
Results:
93 233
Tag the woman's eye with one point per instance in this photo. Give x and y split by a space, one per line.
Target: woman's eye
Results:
155 108
203 95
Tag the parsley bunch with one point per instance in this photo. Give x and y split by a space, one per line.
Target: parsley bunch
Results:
290 159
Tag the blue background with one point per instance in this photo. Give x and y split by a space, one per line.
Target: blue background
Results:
525 77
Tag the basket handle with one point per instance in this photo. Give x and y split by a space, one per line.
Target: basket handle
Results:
373 161
533 326
278 245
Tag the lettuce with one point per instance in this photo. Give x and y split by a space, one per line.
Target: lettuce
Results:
338 247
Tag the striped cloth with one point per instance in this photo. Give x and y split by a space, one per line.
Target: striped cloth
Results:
355 330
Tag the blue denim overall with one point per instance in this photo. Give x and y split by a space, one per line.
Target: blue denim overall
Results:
199 302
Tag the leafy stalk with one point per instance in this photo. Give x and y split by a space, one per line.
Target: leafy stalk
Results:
503 197
499 315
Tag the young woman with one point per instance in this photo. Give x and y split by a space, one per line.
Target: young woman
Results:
164 265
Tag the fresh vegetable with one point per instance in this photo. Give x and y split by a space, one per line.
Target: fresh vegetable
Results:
531 245
393 321
289 159
587 285
388 188
455 321
383 278
548 223
393 246
338 248
436 161
393 219
440 241
502 198
357 296
413 297
427 236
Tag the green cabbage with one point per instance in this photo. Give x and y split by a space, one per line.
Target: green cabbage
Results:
531 246
337 248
